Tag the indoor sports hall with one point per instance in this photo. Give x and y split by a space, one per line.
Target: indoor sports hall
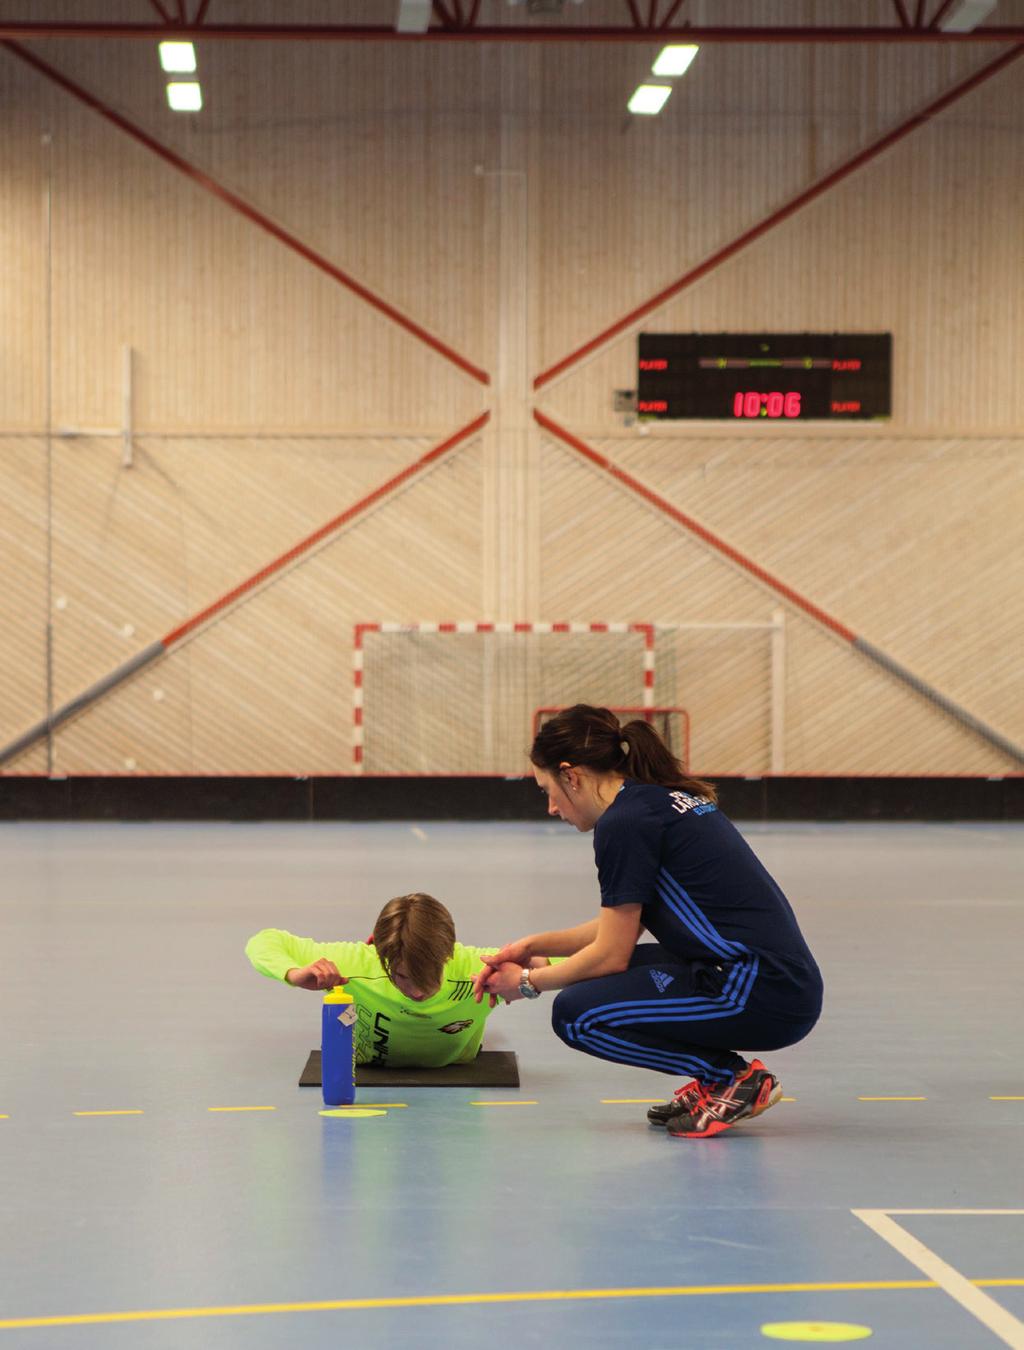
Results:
379 381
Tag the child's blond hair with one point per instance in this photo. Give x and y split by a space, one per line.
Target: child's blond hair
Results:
415 933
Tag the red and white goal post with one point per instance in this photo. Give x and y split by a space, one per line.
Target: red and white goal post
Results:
461 697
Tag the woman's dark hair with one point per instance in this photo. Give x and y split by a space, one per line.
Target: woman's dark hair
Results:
593 738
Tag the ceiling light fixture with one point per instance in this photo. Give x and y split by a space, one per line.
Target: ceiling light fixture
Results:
178 58
674 60
649 99
184 95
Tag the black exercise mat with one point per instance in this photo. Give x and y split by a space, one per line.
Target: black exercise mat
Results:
491 1068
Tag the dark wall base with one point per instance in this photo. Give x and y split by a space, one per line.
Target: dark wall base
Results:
486 798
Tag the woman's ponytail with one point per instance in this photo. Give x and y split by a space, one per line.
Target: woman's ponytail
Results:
651 761
593 738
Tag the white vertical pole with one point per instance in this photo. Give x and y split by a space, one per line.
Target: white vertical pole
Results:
778 694
126 407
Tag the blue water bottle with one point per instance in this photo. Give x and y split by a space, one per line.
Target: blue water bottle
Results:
337 1048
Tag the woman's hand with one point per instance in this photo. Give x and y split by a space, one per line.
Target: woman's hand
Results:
518 951
322 974
499 981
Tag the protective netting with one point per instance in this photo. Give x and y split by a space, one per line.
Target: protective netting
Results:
463 703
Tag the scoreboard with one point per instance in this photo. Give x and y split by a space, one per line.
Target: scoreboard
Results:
772 376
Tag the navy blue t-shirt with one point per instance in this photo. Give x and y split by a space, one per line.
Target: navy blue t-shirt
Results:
705 895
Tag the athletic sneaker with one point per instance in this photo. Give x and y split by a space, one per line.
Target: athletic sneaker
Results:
714 1107
682 1099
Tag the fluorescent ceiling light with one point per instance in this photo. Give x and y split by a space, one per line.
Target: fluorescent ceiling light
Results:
178 58
674 60
185 95
649 98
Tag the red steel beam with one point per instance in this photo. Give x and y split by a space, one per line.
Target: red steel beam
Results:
671 13
761 574
249 212
447 19
694 526
26 31
311 540
941 13
157 650
778 216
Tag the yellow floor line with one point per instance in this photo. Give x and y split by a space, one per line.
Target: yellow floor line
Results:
453 1300
504 1103
1006 1099
107 1113
241 1108
892 1099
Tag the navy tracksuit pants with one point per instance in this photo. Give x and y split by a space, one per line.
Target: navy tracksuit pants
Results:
686 1017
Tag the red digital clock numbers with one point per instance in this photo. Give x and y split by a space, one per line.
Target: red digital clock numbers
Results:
754 403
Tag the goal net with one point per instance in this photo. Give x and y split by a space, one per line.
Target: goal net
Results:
460 698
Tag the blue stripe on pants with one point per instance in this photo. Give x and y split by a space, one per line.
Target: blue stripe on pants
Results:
687 1021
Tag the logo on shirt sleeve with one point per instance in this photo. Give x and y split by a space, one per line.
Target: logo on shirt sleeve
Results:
685 801
460 989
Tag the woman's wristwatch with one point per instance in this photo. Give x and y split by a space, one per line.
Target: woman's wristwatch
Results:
526 985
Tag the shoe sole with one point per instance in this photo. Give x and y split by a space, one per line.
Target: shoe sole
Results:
761 1104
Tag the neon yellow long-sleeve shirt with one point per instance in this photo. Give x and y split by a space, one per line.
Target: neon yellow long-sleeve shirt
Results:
392 1029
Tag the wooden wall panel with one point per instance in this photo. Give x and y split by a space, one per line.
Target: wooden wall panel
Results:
913 543
24 174
267 688
840 710
503 199
234 330
23 592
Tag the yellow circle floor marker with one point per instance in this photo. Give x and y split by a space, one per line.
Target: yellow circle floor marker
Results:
815 1331
352 1112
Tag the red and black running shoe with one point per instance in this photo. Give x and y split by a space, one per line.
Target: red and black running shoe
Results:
682 1099
715 1107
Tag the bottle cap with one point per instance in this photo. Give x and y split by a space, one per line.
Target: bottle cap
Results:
338 995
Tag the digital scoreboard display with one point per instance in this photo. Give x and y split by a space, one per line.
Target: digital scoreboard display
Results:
772 376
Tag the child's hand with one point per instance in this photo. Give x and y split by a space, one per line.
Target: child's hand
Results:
480 983
502 980
322 974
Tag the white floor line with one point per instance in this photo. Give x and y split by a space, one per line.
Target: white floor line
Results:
1002 1324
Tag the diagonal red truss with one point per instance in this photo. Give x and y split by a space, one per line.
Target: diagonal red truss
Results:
776 217
232 199
566 437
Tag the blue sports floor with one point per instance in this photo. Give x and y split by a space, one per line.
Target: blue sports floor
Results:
221 1210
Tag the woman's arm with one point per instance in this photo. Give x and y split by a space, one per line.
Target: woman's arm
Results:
561 942
615 934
